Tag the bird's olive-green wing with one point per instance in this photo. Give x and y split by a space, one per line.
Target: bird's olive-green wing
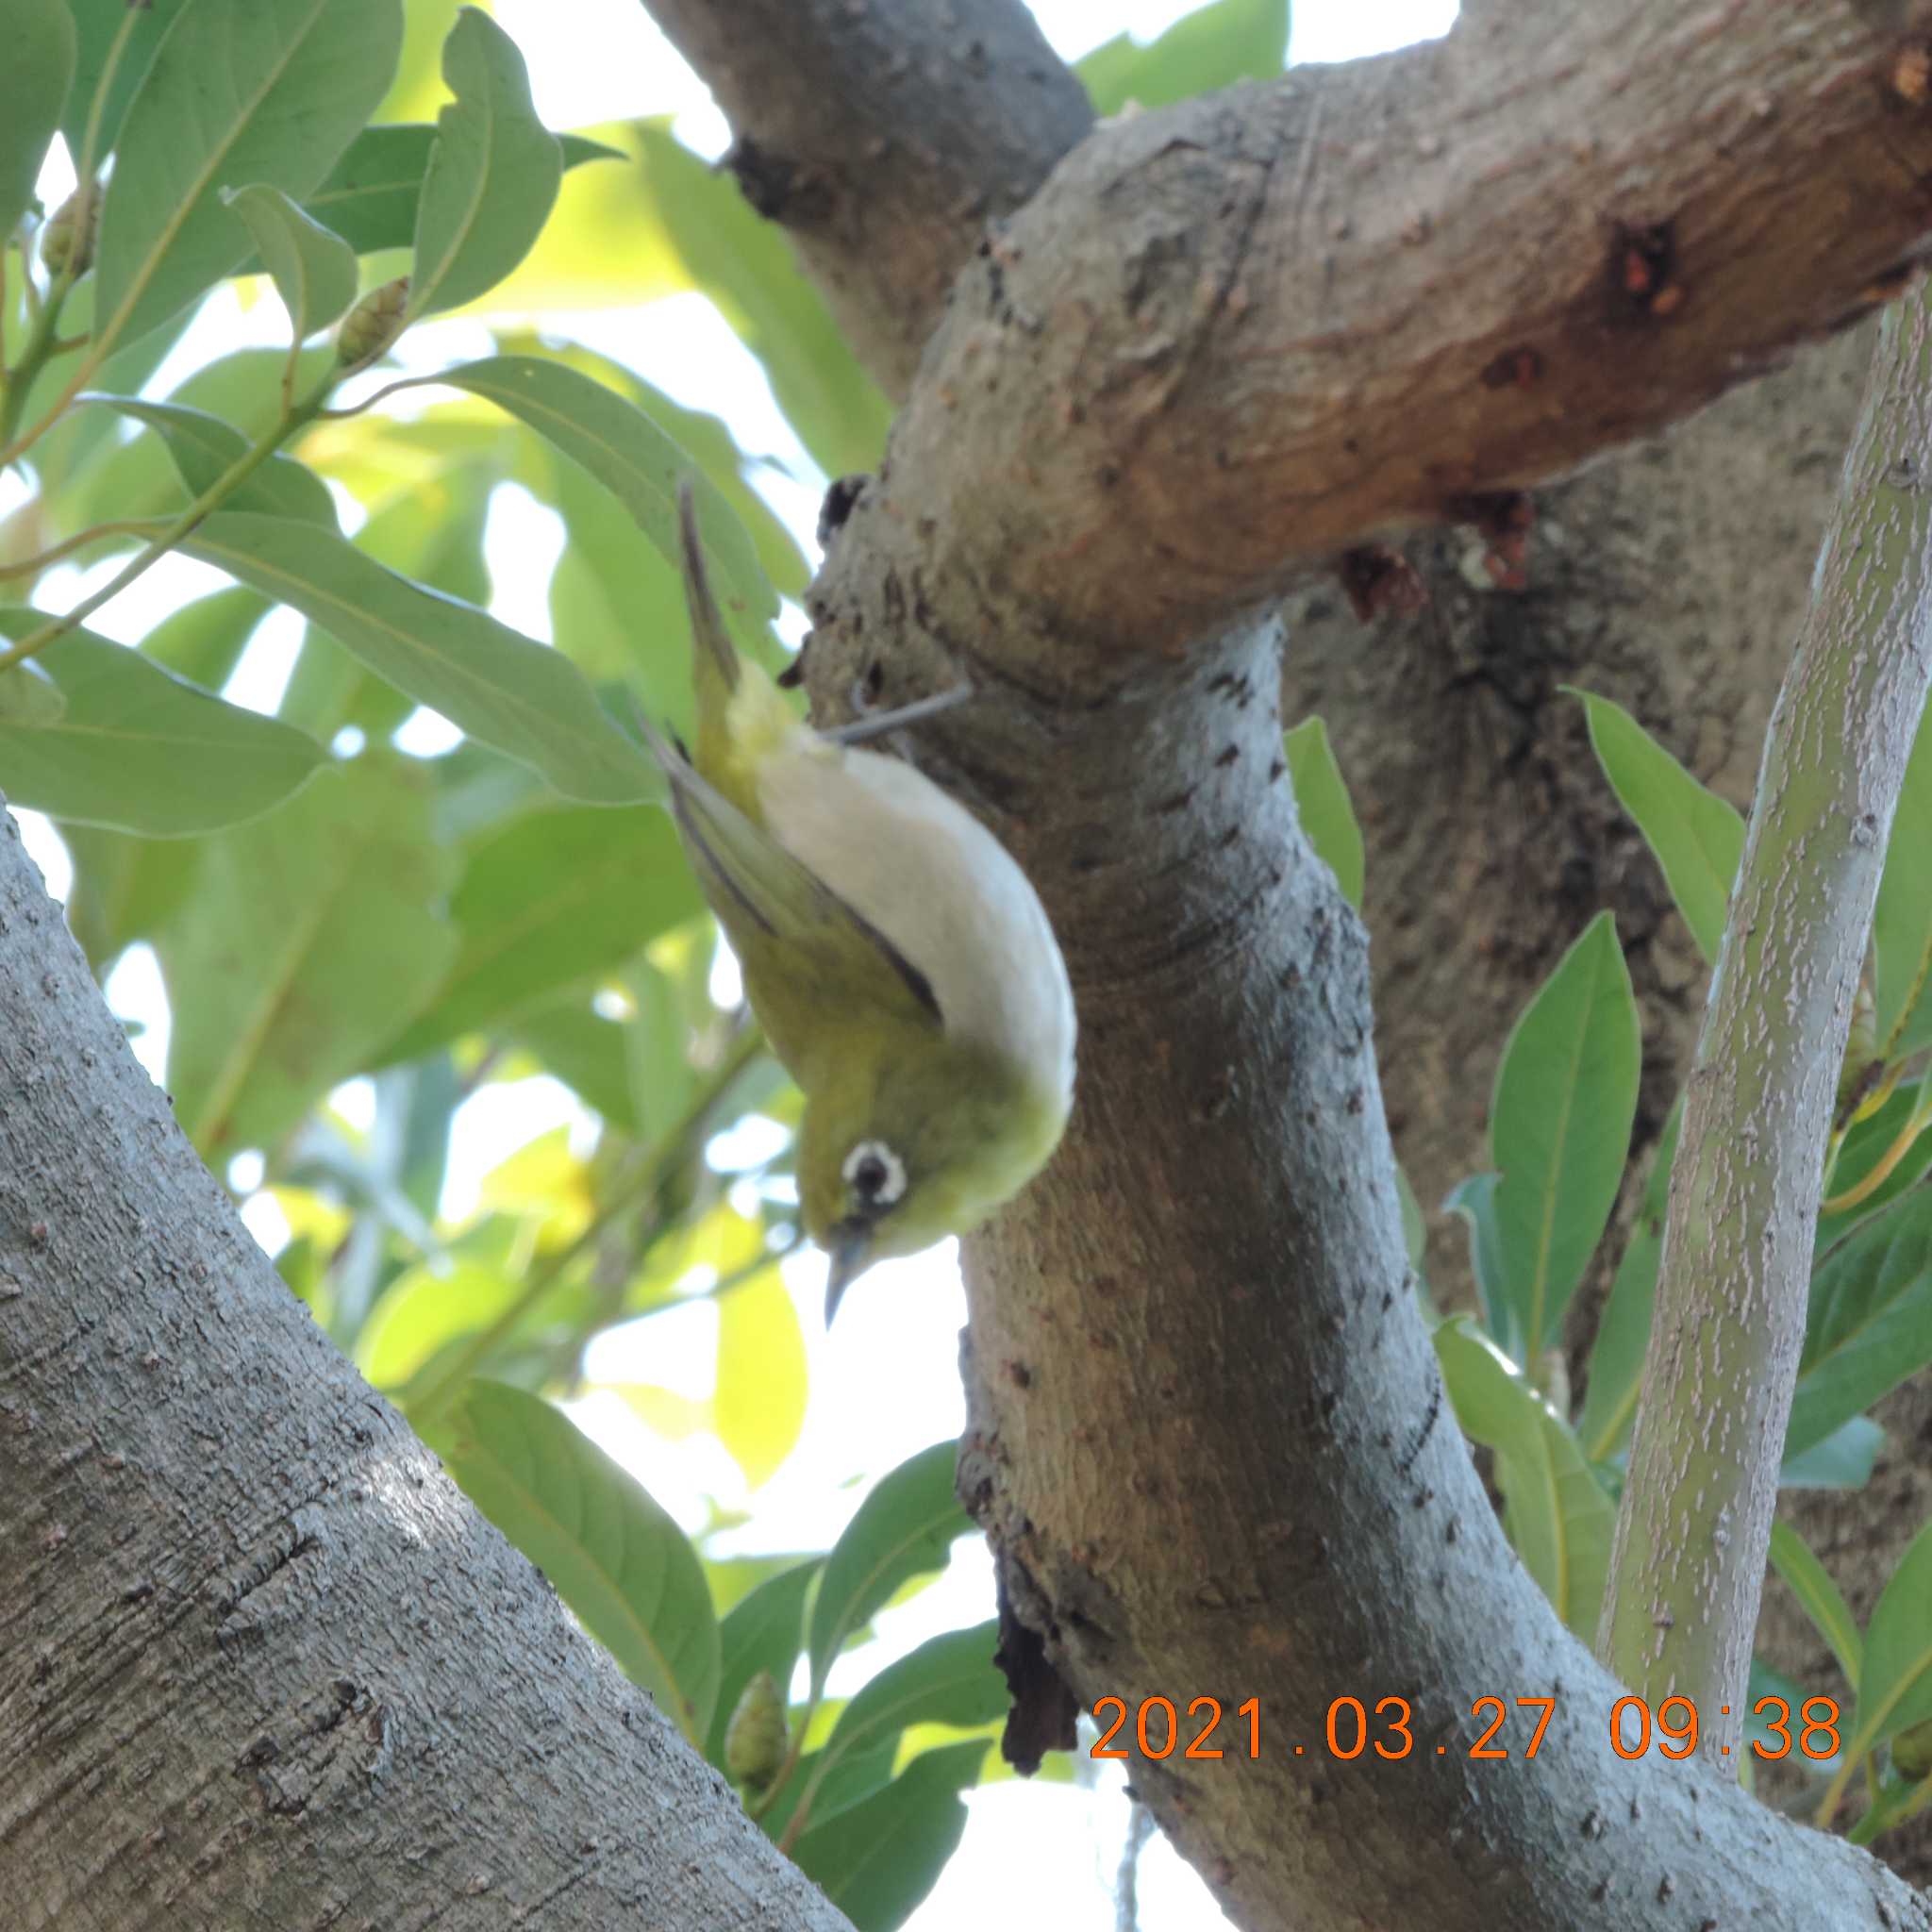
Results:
791 932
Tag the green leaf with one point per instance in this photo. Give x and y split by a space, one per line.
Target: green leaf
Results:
555 896
1559 1127
125 888
758 1410
950 1679
1819 1598
314 270
905 1528
34 78
1902 920
1322 800
746 266
1868 1325
1623 1334
1474 1200
1698 837
1842 1461
491 681
238 92
1866 1143
312 934
1895 1679
136 750
1557 1514
373 193
586 1051
1203 51
423 1311
29 699
609 1552
492 175
205 448
203 641
876 1860
764 1632
99 23
613 438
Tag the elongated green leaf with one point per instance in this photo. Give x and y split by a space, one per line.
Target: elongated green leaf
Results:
205 449
1902 920
99 22
34 78
857 1776
492 175
1322 800
1842 1461
1474 1201
612 1554
611 438
313 933
555 895
878 1859
425 1309
238 92
136 750
1559 1127
764 1632
29 699
1821 1598
314 269
747 267
492 682
372 195
1866 1143
1698 837
1557 1515
583 1050
1206 50
1623 1334
125 888
950 1679
1869 1322
203 641
1895 1679
907 1526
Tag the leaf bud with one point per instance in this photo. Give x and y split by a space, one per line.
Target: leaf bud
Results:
373 325
67 242
755 1740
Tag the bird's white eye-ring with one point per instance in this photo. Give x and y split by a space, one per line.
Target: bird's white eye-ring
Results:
875 1173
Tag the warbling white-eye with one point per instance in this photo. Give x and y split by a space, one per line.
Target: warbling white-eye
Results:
901 964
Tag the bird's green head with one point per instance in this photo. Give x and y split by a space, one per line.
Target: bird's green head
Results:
918 1145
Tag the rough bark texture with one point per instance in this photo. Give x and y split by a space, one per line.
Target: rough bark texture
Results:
1688 1563
884 138
263 1663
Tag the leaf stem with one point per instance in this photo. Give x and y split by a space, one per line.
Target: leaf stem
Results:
30 566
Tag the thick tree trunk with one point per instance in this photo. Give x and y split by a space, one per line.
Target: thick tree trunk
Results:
263 1664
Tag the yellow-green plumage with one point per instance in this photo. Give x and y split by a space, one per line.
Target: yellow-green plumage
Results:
897 959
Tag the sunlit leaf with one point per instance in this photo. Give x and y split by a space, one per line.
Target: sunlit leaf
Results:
1698 837
492 173
238 92
135 749
314 269
905 1526
205 448
312 934
1321 801
553 897
610 1553
1560 1128
746 266
1558 1516
759 1403
422 1311
34 78
1208 49
498 684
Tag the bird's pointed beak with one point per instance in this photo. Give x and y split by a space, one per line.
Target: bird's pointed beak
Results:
850 1251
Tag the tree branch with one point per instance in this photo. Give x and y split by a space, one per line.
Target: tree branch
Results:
1694 1525
1230 337
884 138
252 1622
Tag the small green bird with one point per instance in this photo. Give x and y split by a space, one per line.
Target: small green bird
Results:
900 963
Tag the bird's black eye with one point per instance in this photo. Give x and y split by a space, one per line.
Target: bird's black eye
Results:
876 1174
